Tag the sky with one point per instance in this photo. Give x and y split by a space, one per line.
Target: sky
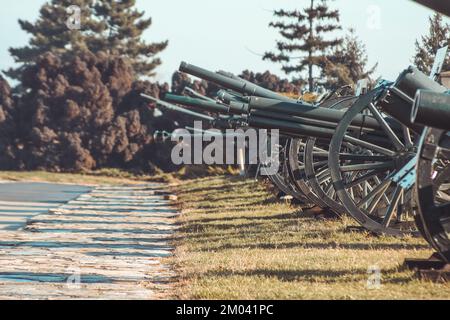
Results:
233 34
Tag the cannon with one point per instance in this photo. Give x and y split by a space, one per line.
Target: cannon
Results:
378 192
431 109
432 192
225 121
351 154
432 189
296 119
238 85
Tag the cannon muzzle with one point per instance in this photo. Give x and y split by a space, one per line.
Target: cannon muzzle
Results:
431 109
400 98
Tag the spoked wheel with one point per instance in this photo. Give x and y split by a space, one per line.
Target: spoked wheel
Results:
433 189
372 169
317 172
281 178
295 149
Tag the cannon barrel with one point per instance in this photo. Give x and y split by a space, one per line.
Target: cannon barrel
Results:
441 6
431 109
172 107
198 95
400 98
238 85
306 121
307 111
195 102
294 129
227 97
287 127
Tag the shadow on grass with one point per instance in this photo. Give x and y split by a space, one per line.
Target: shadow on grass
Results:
320 246
313 275
282 216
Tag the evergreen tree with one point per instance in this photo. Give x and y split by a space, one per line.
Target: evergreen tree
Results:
122 33
304 32
346 64
438 37
50 33
105 26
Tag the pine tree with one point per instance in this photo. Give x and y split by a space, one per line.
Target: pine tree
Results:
305 33
108 25
122 33
51 34
346 64
438 37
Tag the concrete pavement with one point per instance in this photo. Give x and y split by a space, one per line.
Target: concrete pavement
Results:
108 243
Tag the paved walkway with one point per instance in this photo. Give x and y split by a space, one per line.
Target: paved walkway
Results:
19 201
105 244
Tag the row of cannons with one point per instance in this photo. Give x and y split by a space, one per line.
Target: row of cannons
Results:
380 155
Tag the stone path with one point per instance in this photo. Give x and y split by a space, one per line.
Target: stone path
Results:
109 243
19 201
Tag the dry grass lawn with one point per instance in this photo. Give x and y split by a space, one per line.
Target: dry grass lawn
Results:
236 242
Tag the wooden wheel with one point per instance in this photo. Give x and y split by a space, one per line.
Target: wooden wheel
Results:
373 170
433 189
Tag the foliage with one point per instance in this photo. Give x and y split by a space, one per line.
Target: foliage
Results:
304 33
84 113
110 26
438 37
346 64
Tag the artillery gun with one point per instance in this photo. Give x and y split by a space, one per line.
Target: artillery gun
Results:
433 171
221 121
349 154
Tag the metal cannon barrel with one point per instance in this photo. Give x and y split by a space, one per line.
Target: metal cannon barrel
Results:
431 109
197 95
287 127
240 86
178 109
227 97
309 112
195 102
400 99
307 121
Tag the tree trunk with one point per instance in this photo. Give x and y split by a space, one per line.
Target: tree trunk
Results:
310 52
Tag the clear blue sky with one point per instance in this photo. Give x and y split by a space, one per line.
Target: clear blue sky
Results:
219 34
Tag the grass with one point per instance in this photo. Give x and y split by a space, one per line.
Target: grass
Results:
237 242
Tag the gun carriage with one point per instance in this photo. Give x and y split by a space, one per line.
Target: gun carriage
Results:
348 154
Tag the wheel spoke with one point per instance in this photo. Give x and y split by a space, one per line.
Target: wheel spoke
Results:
386 128
378 189
320 163
376 200
367 166
363 178
386 199
407 137
321 154
360 157
392 206
370 146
